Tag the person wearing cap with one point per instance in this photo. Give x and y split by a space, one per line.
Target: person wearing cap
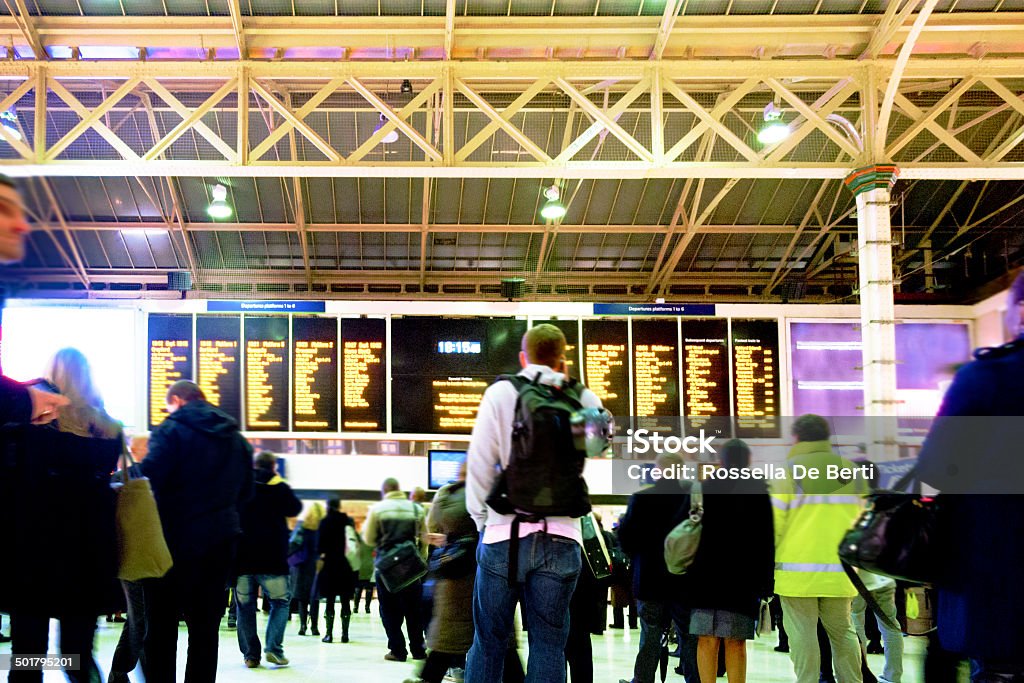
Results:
20 404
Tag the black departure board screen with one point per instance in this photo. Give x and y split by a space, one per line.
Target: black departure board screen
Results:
170 359
440 368
705 371
606 364
314 374
219 371
266 373
755 353
655 368
364 373
571 330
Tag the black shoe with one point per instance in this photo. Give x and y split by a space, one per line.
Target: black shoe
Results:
327 639
232 623
782 648
616 626
420 656
367 609
344 639
314 631
4 639
875 650
302 631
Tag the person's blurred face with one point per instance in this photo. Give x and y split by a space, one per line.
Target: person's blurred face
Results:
13 226
173 403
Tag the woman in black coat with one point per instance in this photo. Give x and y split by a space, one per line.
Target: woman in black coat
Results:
61 535
336 578
734 567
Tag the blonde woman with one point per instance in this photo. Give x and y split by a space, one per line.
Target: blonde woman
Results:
77 581
302 557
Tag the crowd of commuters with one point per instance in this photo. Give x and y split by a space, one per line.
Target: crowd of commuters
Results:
225 517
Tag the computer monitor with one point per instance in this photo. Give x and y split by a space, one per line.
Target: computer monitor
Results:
443 467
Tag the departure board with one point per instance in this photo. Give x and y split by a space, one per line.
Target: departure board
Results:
170 359
314 374
266 373
364 373
571 330
219 372
755 353
440 368
655 368
705 371
456 402
605 363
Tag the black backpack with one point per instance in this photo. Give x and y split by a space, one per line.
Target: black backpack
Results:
544 476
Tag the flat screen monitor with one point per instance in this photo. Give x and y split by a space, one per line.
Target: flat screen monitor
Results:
443 467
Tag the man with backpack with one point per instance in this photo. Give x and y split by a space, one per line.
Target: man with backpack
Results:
526 493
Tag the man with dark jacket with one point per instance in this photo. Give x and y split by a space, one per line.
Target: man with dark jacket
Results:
392 521
651 514
263 561
200 468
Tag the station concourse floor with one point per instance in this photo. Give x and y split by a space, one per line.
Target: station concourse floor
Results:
363 658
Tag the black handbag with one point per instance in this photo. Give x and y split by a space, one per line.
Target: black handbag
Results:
456 560
401 566
896 536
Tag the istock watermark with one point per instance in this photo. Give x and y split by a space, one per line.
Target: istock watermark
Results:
647 442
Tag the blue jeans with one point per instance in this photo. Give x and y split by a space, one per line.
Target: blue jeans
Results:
276 588
546 576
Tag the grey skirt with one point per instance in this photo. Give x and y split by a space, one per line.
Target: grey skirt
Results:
721 623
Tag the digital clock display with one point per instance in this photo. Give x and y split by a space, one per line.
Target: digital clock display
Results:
458 347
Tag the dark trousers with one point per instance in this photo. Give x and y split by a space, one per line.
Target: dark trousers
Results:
30 635
403 606
195 587
437 665
133 634
655 620
775 607
579 652
363 587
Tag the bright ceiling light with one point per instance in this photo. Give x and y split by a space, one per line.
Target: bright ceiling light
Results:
553 208
392 135
219 207
775 130
9 121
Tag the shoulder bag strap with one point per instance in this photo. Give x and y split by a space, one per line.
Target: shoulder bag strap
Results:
869 599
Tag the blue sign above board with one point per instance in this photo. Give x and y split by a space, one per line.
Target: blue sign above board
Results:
265 306
655 309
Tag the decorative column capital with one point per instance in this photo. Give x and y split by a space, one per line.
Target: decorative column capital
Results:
874 177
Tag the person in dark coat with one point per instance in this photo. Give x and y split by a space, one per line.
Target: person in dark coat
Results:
586 616
651 514
336 578
263 561
734 568
61 500
303 557
200 468
977 465
450 633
